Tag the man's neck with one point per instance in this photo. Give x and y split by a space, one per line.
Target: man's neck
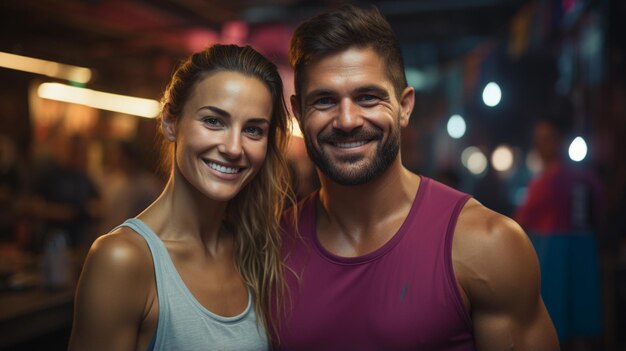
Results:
362 214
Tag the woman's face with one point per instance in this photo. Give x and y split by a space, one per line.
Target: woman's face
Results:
221 138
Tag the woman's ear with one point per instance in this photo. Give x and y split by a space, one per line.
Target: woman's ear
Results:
168 124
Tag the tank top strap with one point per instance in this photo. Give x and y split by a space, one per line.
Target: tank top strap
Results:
160 258
158 250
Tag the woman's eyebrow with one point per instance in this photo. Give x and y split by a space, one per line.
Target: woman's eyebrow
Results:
259 120
216 110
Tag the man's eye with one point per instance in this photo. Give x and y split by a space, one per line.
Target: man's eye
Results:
323 102
367 98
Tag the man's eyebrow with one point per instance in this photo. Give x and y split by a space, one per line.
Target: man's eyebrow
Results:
216 110
372 89
317 93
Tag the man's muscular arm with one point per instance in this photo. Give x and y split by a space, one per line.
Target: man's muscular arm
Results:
498 273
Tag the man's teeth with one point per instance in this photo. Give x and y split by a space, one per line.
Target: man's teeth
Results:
351 144
223 169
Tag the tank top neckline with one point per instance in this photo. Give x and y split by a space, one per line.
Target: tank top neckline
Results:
379 252
173 272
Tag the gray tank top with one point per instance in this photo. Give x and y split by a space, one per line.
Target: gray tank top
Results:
184 324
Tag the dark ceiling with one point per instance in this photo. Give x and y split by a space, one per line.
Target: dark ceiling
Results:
133 44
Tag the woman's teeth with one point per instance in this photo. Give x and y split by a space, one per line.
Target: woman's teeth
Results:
223 169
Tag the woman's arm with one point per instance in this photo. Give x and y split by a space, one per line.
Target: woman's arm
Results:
112 294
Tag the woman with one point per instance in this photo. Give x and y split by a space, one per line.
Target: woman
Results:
197 268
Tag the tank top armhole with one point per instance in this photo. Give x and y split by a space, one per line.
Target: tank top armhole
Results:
151 239
154 337
451 276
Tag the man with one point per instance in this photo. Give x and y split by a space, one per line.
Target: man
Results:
561 215
390 260
562 198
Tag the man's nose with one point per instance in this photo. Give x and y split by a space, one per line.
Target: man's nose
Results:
348 116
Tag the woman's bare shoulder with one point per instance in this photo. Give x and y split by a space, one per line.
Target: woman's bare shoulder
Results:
122 251
113 291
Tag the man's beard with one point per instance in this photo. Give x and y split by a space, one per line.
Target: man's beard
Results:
385 155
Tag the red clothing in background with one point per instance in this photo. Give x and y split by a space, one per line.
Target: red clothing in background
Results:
561 199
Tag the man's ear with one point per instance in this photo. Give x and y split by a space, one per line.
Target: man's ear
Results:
407 102
295 108
168 124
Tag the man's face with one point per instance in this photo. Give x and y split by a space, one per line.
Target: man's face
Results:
350 115
547 142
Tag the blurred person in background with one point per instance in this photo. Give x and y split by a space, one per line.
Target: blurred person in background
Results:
64 199
391 260
9 188
561 213
563 197
198 268
127 188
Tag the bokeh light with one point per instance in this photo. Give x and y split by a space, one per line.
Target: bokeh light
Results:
492 94
578 149
456 126
502 158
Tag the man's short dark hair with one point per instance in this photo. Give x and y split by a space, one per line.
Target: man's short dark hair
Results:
343 28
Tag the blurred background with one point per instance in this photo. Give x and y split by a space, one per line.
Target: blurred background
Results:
521 103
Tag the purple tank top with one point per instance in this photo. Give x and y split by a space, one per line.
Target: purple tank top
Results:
402 296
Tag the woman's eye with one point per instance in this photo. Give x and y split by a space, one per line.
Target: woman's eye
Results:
212 121
254 131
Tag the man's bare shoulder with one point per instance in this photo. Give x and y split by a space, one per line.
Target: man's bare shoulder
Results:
498 273
480 225
492 255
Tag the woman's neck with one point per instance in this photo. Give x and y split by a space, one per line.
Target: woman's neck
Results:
181 212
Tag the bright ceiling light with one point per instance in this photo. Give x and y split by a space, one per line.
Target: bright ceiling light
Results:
492 94
578 149
456 126
100 100
46 68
